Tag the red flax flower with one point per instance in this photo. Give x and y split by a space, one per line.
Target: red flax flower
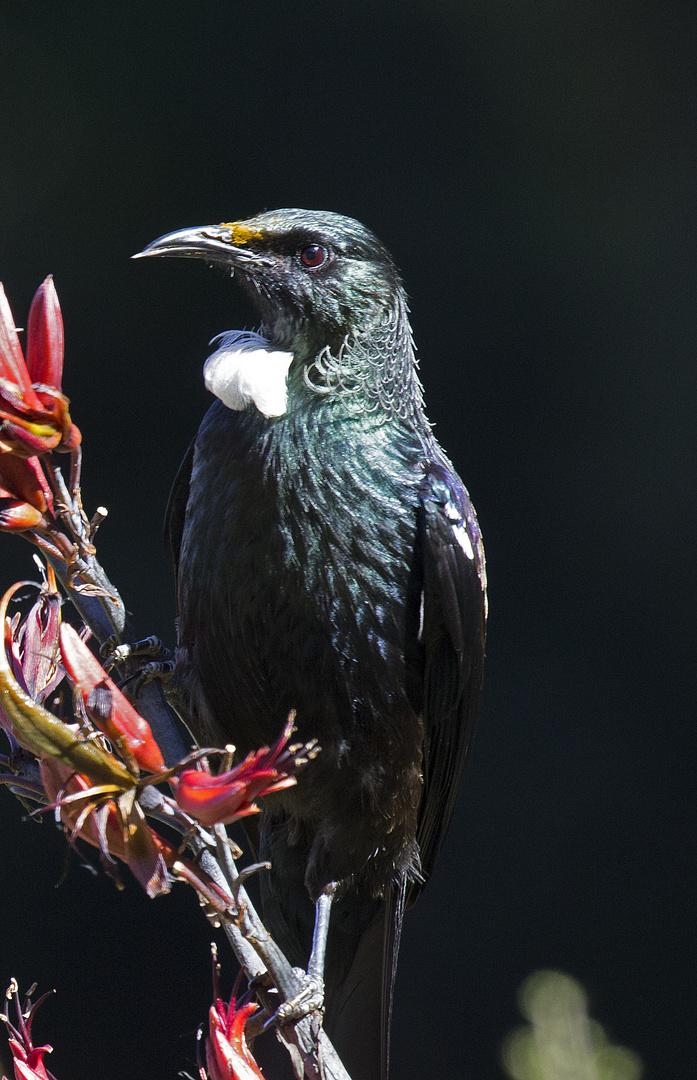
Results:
94 793
29 658
231 795
116 827
33 411
227 1055
28 1060
106 706
34 417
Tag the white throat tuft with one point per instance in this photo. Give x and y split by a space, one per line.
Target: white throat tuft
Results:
246 369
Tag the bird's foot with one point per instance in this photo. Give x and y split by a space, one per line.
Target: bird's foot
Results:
308 999
160 666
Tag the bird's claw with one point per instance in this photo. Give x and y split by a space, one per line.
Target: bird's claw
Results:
161 667
156 669
114 652
308 999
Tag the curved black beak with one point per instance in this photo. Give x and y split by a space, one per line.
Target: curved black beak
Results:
214 243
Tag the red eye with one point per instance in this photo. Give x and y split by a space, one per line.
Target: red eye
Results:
313 255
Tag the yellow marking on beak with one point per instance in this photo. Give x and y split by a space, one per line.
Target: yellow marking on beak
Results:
241 233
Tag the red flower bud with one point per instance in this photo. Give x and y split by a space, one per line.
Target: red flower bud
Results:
23 478
45 339
34 418
106 705
18 516
12 364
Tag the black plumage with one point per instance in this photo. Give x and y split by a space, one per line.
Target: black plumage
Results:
329 561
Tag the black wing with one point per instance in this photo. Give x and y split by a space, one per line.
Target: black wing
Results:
452 630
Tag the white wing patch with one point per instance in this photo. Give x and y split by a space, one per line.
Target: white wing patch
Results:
464 540
245 369
460 532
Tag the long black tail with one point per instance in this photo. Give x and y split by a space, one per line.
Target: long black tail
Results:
359 993
361 958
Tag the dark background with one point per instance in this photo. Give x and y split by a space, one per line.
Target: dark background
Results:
532 167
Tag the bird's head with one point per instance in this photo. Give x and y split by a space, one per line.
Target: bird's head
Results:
316 277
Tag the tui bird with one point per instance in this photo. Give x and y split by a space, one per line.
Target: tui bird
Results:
328 560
